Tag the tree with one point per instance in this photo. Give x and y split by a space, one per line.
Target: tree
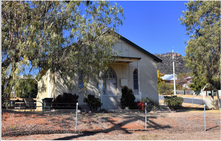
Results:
63 37
159 75
27 87
202 21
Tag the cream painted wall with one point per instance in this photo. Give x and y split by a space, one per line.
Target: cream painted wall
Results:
147 75
147 68
52 90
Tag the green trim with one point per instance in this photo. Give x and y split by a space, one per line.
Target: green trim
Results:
138 58
141 49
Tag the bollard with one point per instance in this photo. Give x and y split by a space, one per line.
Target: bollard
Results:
76 117
145 116
204 117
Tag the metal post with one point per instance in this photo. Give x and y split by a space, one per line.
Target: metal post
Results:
43 106
192 100
145 116
174 83
204 117
76 117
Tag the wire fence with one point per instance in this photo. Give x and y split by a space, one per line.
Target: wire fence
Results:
23 121
187 92
73 119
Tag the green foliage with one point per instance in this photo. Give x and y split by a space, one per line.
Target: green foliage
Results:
151 104
26 88
202 21
173 102
13 127
127 98
159 75
164 89
58 36
93 103
183 75
197 85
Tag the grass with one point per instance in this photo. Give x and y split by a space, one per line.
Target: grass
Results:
143 137
150 136
13 127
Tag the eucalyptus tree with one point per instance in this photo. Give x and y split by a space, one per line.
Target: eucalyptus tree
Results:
202 20
57 36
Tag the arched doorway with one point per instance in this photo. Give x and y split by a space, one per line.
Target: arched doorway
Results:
110 82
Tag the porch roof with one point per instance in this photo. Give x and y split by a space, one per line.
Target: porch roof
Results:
126 60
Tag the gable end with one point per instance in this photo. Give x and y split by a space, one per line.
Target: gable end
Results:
141 49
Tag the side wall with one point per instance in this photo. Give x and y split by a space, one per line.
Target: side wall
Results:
48 89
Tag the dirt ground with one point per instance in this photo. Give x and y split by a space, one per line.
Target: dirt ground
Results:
161 125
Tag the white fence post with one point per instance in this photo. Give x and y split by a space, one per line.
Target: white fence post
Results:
145 116
204 117
76 117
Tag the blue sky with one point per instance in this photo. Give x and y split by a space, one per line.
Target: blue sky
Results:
154 25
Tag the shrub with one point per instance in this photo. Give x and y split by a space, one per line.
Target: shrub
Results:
133 106
173 102
141 105
164 89
93 102
151 104
67 101
127 99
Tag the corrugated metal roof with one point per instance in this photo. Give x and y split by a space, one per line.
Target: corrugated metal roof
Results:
169 77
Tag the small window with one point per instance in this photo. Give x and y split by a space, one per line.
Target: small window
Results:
135 78
80 80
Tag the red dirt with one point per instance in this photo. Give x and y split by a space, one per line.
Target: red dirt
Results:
175 125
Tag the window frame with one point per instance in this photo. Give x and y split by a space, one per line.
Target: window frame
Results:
137 80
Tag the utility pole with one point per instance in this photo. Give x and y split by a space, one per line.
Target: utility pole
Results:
174 82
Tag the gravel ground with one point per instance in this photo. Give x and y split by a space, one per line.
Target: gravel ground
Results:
111 126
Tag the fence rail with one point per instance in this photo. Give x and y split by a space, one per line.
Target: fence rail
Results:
188 92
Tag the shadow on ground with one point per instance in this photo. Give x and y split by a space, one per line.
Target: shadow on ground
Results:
119 127
188 109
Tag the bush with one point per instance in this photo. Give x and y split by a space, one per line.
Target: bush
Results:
127 99
141 105
173 102
93 102
165 89
67 101
151 104
133 106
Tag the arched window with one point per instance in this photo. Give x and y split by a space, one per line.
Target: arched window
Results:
135 78
109 74
110 82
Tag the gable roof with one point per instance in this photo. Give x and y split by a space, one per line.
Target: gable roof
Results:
139 48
